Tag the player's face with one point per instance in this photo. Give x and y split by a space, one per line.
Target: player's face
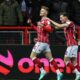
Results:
43 12
62 18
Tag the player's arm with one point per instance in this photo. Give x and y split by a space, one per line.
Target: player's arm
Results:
31 24
57 25
48 27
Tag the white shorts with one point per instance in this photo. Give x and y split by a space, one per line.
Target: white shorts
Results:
71 51
41 47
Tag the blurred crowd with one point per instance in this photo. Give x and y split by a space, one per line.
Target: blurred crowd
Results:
16 12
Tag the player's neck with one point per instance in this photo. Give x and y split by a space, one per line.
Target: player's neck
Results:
44 17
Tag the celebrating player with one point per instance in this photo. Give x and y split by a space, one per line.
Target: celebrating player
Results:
42 45
72 46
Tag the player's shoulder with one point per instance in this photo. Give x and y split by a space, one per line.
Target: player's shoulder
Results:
44 20
68 22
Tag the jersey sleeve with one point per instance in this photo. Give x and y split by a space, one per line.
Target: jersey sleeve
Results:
47 26
34 27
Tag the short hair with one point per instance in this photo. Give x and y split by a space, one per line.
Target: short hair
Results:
45 7
65 14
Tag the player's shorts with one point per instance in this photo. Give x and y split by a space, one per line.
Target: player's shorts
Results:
71 51
41 47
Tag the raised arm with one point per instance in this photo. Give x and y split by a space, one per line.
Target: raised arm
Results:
31 24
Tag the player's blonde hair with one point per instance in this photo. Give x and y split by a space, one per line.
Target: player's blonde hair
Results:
45 7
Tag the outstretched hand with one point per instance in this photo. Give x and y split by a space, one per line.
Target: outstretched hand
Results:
29 21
